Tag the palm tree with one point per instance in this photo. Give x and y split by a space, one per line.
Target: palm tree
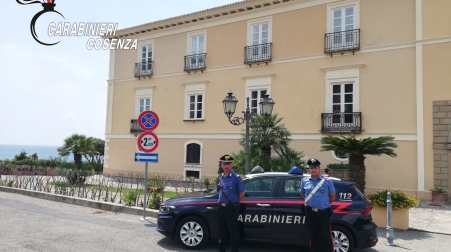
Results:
78 145
266 134
357 148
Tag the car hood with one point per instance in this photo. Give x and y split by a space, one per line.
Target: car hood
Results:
192 196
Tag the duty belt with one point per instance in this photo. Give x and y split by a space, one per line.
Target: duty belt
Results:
227 204
317 210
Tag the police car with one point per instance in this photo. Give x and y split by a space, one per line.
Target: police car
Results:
270 211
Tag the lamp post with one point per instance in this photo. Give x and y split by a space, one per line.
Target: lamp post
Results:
229 103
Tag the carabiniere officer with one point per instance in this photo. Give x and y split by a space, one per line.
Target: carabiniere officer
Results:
231 191
318 209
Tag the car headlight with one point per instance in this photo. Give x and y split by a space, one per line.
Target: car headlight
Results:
166 209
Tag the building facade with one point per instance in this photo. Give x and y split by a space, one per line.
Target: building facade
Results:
365 68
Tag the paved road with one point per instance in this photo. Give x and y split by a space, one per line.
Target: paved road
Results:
31 224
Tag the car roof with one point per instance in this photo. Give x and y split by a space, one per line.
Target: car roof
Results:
280 175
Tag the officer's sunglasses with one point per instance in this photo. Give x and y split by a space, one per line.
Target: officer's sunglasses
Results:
226 163
313 167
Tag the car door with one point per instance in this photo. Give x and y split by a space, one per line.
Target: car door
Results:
287 222
256 208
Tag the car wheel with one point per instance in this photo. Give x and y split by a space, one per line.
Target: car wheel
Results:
342 239
192 232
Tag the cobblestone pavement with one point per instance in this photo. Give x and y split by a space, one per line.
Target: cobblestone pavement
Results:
431 218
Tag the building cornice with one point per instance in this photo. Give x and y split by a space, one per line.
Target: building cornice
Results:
325 69
195 82
144 87
224 13
258 76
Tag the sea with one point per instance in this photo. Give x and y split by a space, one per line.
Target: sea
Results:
44 152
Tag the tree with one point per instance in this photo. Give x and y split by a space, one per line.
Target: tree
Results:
267 134
78 145
358 148
21 156
95 151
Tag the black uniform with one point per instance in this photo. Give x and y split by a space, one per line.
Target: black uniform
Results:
229 188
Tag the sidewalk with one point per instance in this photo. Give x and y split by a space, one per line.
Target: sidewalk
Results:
431 218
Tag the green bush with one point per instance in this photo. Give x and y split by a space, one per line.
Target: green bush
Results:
399 199
437 189
155 202
129 197
339 166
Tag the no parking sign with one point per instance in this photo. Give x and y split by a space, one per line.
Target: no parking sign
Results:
148 120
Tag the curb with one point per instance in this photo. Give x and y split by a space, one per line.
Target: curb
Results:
112 207
425 231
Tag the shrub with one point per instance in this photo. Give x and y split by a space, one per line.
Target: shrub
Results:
437 189
399 199
129 197
155 202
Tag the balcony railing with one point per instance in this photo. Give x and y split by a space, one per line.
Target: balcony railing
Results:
258 53
195 62
342 41
341 122
134 127
143 69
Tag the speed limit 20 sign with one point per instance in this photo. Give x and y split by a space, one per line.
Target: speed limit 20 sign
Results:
147 142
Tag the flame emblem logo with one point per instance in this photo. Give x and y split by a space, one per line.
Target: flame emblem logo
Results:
49 6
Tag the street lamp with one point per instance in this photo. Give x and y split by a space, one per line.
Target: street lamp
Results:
229 103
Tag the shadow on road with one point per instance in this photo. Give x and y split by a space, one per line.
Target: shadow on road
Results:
173 245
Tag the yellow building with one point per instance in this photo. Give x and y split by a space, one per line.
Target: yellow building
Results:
384 66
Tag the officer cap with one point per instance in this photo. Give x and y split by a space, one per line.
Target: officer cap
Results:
226 159
257 169
295 170
313 162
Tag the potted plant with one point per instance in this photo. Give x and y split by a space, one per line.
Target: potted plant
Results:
438 195
401 203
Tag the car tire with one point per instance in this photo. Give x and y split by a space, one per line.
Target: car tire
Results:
342 239
192 233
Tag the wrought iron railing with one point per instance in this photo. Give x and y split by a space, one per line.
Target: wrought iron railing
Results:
342 41
134 127
341 122
143 69
195 62
258 53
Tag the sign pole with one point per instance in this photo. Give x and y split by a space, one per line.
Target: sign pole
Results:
145 192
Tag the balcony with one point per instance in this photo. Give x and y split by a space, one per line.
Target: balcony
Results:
195 62
143 69
257 54
342 41
134 127
341 123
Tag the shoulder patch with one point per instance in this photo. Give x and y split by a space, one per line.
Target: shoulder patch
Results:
238 175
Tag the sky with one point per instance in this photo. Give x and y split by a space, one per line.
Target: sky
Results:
48 93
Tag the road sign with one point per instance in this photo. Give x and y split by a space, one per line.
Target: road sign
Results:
148 120
147 142
146 157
